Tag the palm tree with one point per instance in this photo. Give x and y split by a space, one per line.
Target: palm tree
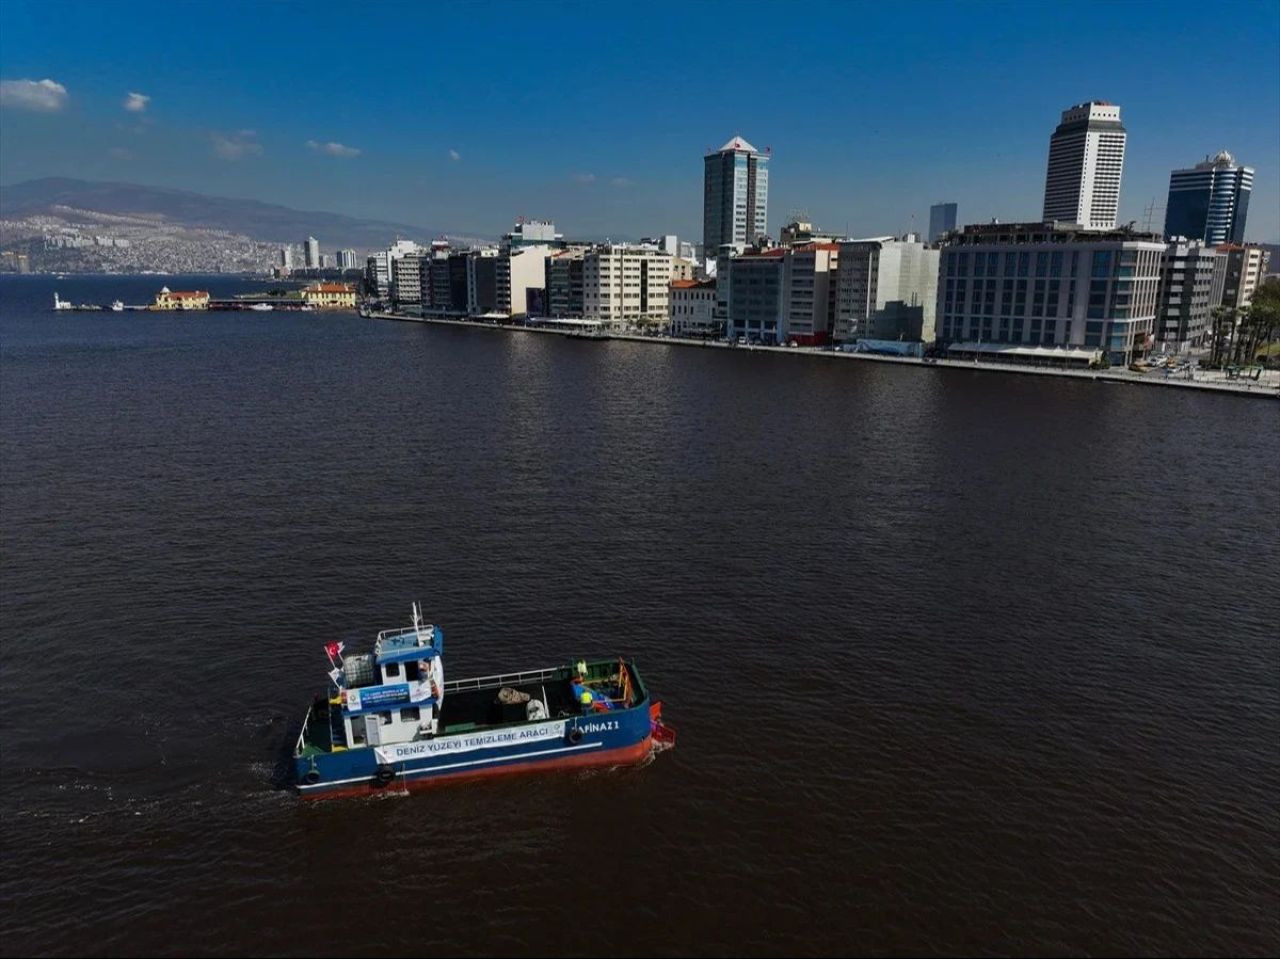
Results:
1264 315
1239 331
1222 316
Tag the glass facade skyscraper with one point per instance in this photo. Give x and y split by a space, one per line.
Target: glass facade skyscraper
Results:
942 219
735 196
1210 201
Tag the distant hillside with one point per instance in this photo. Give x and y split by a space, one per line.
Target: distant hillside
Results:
259 221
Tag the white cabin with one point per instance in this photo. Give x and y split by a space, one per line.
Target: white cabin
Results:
394 694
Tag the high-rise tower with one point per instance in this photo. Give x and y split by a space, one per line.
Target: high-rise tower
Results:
1210 201
1086 159
735 195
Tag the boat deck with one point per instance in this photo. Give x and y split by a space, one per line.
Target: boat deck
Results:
471 704
479 708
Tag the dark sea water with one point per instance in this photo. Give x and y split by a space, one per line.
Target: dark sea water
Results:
960 662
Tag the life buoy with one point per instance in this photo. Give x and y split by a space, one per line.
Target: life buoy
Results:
312 777
575 735
385 774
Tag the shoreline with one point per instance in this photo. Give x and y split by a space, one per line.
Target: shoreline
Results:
1261 390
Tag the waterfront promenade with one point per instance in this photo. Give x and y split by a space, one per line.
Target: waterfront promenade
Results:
1266 387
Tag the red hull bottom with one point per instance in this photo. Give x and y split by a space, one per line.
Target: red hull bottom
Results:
626 756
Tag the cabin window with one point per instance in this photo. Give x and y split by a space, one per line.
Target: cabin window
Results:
384 718
357 733
393 669
412 670
409 714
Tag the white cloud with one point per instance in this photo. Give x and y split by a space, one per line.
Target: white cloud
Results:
584 178
42 96
455 156
234 146
333 149
621 181
136 102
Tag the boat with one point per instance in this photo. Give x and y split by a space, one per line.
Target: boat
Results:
390 720
61 304
117 306
262 307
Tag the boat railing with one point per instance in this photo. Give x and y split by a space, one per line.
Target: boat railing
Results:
499 680
396 632
302 736
421 638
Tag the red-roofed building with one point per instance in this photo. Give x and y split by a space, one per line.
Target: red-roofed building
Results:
693 308
330 296
181 300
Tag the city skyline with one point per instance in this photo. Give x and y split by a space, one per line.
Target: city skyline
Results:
593 154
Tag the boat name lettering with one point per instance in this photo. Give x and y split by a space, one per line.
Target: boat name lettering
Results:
466 743
604 727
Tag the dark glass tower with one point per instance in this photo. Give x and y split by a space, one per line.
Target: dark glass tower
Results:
1210 201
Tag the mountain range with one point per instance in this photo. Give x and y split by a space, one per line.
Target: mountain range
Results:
266 222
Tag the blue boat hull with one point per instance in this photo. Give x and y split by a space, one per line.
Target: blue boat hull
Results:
618 737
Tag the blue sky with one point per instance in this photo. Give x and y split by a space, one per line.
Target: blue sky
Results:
596 115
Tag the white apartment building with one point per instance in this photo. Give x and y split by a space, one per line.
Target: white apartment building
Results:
1188 274
518 271
407 275
625 286
887 289
377 274
1086 160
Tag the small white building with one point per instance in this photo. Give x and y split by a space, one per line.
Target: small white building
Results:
693 308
